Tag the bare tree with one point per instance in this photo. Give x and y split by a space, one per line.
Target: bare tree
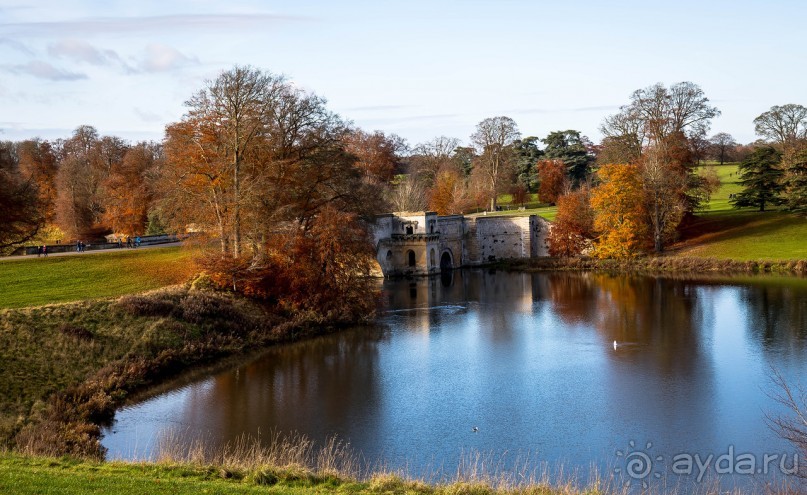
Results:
493 139
433 156
783 124
722 146
793 426
409 195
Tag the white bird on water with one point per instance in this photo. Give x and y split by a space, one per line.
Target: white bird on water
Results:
615 345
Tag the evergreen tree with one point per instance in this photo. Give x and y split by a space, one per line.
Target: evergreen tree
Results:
570 147
795 179
527 155
761 179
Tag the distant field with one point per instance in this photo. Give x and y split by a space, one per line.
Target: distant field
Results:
38 281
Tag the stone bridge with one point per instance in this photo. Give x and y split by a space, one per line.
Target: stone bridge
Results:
423 243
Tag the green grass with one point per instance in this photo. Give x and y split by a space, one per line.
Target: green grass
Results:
57 279
724 232
26 475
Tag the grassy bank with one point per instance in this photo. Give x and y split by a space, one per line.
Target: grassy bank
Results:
66 367
38 281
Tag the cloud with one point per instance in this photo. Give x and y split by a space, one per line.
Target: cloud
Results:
161 24
377 108
562 110
162 58
81 51
44 70
16 45
147 116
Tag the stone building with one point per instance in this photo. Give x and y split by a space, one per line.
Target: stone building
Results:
423 243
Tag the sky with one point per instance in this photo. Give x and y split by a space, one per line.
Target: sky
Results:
419 69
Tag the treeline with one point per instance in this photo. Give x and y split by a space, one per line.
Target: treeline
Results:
647 185
274 176
82 187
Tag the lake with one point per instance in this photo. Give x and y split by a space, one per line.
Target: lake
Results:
529 361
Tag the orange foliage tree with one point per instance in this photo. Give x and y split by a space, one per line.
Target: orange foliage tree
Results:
449 195
553 180
573 228
619 216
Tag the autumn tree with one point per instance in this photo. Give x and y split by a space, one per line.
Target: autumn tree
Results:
573 229
128 189
573 150
659 184
294 184
553 181
449 195
722 146
21 215
38 162
493 141
619 217
377 154
82 168
783 124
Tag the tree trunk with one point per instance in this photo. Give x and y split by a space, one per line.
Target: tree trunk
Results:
237 206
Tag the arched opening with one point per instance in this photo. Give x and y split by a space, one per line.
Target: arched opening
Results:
431 227
389 256
446 263
432 261
409 230
411 257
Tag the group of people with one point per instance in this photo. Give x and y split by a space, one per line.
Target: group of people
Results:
42 251
130 243
80 247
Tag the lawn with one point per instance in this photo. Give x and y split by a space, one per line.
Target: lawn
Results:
38 281
22 475
722 231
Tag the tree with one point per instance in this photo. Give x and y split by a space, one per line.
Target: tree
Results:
760 177
783 124
433 156
20 213
493 140
619 217
128 190
79 206
377 154
573 149
573 228
38 162
794 180
447 197
409 194
231 112
663 203
722 145
527 155
553 180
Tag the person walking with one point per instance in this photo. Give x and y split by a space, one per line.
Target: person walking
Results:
45 250
137 241
38 251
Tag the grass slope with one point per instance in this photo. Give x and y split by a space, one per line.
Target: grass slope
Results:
57 279
725 232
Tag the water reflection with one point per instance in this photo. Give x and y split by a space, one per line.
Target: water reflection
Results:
528 358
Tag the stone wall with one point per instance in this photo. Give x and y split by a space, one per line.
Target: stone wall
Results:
454 241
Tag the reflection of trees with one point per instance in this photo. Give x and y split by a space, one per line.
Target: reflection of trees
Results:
326 383
776 315
660 315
